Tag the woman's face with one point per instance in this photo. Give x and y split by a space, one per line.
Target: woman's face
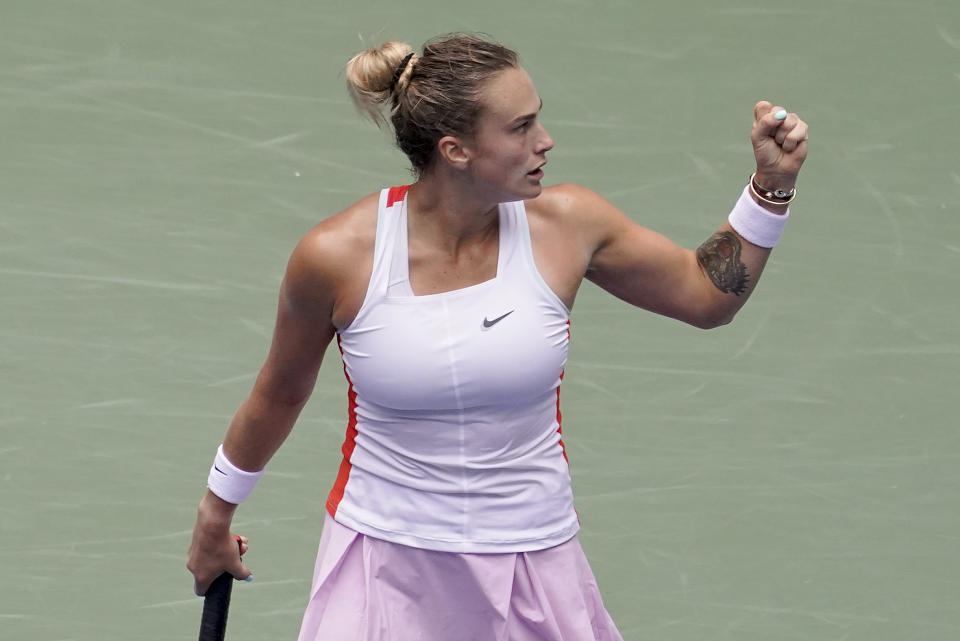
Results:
508 149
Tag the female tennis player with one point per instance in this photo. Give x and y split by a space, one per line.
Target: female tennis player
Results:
452 515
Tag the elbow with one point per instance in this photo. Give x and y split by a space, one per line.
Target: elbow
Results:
711 320
282 393
293 396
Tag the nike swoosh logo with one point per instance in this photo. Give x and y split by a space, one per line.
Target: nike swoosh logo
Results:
487 324
219 470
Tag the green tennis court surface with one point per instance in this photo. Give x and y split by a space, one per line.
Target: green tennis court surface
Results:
791 476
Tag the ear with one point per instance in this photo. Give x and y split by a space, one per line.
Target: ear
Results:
454 151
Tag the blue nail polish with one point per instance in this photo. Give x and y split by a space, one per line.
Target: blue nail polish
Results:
780 115
249 579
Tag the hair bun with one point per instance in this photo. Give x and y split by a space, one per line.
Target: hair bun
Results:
370 76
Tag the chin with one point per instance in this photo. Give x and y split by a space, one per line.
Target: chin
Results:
534 191
525 189
528 191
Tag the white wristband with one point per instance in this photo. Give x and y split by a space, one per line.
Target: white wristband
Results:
755 224
228 481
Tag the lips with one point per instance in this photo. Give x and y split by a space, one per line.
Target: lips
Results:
538 172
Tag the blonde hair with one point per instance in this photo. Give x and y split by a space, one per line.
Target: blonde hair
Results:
436 94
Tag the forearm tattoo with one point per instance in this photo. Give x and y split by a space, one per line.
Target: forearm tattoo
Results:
720 258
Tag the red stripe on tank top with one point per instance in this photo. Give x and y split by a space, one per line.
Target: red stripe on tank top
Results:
559 415
563 447
349 443
396 194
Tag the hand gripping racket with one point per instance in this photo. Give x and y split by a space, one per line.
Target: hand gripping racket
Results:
216 603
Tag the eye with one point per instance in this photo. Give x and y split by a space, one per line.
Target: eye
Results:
523 126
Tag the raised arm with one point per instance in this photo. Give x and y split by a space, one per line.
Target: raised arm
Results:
707 286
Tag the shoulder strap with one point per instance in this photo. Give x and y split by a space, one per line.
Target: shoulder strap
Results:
515 231
388 227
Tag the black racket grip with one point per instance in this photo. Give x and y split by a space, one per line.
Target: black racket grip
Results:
216 603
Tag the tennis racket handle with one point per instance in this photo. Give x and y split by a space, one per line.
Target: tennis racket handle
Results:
216 603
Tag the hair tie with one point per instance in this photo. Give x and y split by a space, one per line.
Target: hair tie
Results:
399 71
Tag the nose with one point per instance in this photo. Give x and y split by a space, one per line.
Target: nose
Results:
544 141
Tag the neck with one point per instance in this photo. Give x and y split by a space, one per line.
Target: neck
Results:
443 209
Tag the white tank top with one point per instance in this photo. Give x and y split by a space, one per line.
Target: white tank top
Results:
453 440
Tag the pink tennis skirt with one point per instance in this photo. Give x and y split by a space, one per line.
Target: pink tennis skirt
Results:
367 589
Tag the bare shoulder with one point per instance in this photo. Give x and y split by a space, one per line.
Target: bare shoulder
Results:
561 200
330 266
574 204
340 236
575 209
